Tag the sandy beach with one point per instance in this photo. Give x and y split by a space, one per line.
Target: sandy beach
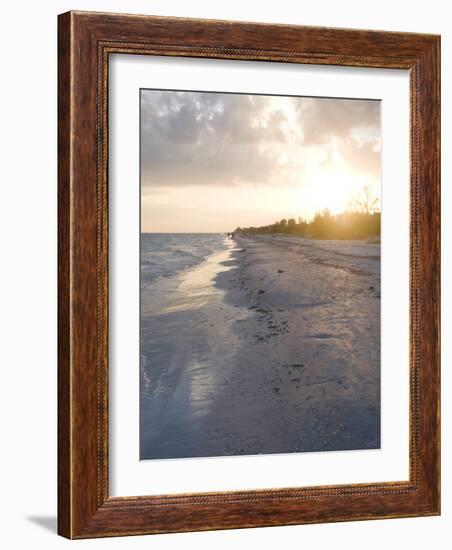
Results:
269 346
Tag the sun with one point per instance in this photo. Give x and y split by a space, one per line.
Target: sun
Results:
333 190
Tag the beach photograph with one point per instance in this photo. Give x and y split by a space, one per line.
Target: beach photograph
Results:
259 274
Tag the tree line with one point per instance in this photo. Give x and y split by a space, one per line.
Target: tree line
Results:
361 221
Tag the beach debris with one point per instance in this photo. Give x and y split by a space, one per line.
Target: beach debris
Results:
261 291
280 271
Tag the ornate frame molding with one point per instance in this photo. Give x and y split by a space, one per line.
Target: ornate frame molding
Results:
85 42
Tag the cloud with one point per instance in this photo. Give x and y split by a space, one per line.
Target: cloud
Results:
324 118
207 139
215 139
361 157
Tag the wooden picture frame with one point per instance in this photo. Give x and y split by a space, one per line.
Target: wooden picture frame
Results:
85 42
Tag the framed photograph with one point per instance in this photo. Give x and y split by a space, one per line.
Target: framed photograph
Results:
248 275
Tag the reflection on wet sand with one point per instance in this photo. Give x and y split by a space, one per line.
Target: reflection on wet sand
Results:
270 346
196 287
187 359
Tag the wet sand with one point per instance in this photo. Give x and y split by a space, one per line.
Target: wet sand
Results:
272 346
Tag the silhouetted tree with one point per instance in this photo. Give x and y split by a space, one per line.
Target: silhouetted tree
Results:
365 201
360 223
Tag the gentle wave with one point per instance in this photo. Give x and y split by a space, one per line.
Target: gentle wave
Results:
166 254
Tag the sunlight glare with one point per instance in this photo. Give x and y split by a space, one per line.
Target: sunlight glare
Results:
331 189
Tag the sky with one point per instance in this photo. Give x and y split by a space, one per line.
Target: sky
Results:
211 162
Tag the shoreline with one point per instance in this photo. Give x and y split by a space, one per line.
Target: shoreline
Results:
279 354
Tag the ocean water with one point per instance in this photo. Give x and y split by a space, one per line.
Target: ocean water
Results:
166 254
